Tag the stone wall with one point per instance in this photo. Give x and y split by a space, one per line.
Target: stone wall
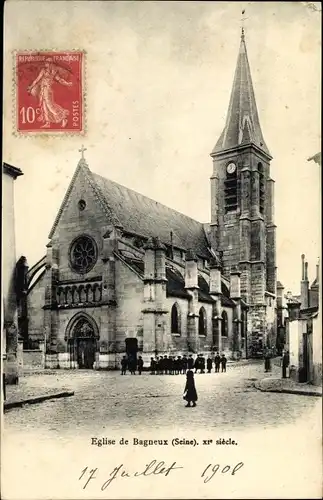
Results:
33 359
129 297
35 303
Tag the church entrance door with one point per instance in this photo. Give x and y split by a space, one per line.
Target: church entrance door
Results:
85 353
83 344
132 349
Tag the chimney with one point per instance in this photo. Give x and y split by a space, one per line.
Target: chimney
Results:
303 266
280 295
304 284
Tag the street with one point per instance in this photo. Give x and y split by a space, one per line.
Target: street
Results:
51 449
107 401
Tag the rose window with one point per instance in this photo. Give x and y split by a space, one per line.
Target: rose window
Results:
83 254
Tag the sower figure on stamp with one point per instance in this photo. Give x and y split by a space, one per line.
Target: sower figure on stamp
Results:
190 394
42 87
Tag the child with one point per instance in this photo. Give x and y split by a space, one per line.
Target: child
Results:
223 363
190 394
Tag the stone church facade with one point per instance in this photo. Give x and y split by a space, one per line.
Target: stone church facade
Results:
125 274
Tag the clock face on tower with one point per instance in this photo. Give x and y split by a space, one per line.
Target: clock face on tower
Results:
231 168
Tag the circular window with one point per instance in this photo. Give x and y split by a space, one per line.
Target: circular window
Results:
83 254
82 204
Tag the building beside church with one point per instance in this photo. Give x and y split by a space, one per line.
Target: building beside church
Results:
9 297
123 273
304 329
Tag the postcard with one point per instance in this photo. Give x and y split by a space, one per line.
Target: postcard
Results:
161 275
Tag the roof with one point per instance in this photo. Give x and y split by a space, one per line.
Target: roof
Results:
316 158
175 286
11 170
242 124
308 313
138 214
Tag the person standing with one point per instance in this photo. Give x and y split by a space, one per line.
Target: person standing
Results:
166 365
209 364
132 365
197 363
140 365
157 365
184 364
202 364
223 363
285 363
152 366
123 365
217 361
190 394
190 362
267 361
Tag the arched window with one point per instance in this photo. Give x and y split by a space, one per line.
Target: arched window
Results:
176 319
224 324
202 322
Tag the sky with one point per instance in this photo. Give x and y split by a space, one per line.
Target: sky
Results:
158 83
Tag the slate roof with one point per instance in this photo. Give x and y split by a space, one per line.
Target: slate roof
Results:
242 123
175 286
141 215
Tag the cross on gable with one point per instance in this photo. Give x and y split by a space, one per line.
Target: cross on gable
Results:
82 151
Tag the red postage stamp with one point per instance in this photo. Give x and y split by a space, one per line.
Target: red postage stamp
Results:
49 91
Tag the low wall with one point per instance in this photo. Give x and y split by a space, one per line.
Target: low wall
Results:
33 358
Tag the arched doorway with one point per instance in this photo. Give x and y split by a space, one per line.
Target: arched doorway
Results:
82 334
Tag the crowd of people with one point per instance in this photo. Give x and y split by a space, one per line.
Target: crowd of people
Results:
175 365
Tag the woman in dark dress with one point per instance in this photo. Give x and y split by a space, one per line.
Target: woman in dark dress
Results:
190 394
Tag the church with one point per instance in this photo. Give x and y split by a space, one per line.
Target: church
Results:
124 274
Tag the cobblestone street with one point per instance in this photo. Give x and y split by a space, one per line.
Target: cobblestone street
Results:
107 401
48 445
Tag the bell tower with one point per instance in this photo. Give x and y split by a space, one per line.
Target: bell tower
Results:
242 201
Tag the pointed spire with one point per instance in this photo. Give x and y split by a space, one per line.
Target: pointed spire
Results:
242 123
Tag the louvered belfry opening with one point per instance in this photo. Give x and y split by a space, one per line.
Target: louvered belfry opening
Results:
261 188
231 192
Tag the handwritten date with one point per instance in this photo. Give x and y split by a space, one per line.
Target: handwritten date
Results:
152 469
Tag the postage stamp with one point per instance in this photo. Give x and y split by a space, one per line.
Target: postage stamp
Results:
49 91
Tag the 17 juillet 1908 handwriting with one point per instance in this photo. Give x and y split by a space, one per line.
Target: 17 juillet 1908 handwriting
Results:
154 468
